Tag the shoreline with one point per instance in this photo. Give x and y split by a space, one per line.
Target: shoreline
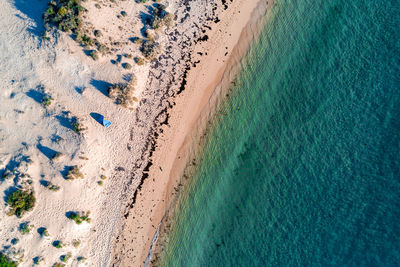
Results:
169 158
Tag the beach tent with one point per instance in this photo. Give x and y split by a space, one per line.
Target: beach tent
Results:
104 122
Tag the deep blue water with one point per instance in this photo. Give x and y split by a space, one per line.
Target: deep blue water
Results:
302 165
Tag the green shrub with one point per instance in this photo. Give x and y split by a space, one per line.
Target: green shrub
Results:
66 257
94 54
46 101
100 183
50 186
77 126
43 232
6 262
73 173
103 177
123 13
58 264
122 94
15 241
58 244
78 218
126 66
25 228
81 259
20 202
64 14
37 260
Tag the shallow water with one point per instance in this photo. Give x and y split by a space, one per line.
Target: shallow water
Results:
302 165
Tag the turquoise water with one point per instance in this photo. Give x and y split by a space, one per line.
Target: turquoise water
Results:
302 166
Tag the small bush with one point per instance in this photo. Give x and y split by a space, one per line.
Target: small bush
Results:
58 244
150 49
66 257
81 259
46 101
122 94
77 126
103 177
100 183
97 33
137 40
50 186
94 54
25 228
20 202
57 156
139 61
74 173
78 218
76 243
37 260
6 262
14 241
126 66
43 232
58 264
123 13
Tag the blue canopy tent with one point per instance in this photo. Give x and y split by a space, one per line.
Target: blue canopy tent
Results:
104 122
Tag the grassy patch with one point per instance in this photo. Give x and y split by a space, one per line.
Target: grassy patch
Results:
20 202
77 126
6 262
79 218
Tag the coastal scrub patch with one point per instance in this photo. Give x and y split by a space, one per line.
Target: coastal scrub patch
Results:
150 49
123 94
74 173
6 262
21 201
65 14
57 156
79 217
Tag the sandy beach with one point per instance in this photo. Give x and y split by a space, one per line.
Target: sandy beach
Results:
129 170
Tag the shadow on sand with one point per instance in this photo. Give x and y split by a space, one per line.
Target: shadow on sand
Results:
33 9
102 86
